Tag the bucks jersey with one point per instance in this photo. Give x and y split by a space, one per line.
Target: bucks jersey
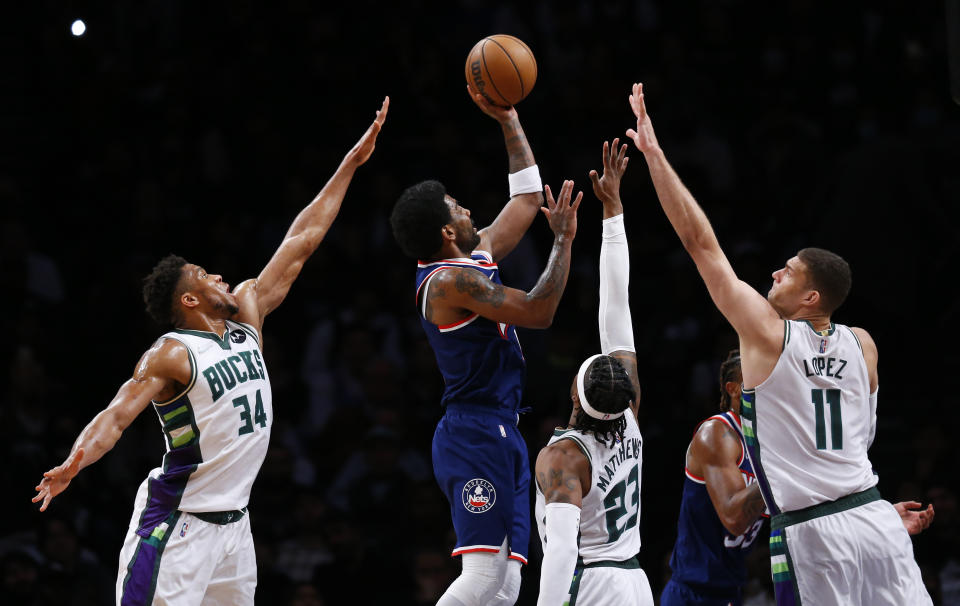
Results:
808 425
216 430
611 509
706 554
480 360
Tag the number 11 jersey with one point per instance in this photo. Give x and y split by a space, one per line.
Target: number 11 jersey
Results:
809 424
610 511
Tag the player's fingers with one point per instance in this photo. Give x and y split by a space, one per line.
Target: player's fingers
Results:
576 202
546 212
46 501
594 178
623 151
911 504
606 155
632 134
36 497
551 203
623 164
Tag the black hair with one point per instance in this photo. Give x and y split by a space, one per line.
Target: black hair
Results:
829 275
417 217
608 388
728 371
161 287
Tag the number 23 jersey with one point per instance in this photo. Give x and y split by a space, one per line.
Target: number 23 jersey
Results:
610 510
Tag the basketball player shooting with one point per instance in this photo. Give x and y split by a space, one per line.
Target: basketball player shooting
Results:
808 409
189 539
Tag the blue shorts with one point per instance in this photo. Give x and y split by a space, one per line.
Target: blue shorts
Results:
481 464
681 594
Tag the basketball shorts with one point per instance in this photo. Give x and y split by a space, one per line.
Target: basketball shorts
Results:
861 556
681 594
480 462
186 561
610 584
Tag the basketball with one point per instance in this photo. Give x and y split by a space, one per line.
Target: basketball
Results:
502 69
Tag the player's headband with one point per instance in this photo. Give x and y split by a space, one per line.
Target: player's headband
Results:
590 410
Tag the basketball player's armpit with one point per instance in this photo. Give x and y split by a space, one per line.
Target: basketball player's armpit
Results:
478 288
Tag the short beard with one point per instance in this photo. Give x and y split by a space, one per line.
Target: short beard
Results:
469 241
230 308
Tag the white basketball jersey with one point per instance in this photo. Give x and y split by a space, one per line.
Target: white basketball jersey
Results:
217 430
808 425
610 511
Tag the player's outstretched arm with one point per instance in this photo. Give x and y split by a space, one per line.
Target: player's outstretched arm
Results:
307 230
714 454
748 311
562 472
616 325
460 290
164 363
526 195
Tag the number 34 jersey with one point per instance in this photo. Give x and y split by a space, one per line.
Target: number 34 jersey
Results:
218 428
611 509
809 424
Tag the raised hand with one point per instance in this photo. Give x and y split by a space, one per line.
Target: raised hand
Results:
644 137
500 114
360 152
57 479
561 214
607 186
914 521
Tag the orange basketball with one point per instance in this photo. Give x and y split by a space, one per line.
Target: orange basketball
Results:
502 69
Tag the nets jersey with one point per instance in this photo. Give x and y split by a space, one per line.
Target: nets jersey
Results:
216 430
611 509
480 360
808 425
705 554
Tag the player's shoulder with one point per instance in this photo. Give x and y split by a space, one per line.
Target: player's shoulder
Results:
166 358
863 337
714 437
566 452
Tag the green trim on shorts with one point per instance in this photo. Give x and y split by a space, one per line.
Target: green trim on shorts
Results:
631 564
856 499
574 587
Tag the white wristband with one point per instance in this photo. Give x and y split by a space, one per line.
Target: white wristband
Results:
526 181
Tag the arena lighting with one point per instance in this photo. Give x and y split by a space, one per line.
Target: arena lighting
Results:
78 28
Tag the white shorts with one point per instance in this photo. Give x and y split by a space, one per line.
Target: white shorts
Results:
601 585
860 556
187 561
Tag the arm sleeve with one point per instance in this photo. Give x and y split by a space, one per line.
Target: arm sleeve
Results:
873 418
560 551
616 327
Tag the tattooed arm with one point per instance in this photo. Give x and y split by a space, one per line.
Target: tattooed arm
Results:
563 476
456 293
501 236
714 455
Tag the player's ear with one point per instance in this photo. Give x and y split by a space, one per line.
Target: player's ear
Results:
732 388
448 232
189 300
812 298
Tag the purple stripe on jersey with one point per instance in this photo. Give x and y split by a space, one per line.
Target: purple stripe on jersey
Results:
748 414
141 581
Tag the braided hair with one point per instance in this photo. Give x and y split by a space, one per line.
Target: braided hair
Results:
729 370
608 388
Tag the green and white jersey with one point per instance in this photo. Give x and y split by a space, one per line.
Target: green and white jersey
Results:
217 430
611 509
808 425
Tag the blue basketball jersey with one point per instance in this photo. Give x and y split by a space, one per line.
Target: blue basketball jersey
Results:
480 360
705 554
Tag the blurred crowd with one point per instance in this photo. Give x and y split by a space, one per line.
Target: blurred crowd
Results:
203 129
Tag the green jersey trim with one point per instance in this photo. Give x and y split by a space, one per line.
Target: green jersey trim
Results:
193 379
223 342
855 338
822 333
562 434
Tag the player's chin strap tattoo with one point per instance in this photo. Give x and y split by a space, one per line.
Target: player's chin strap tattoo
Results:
560 556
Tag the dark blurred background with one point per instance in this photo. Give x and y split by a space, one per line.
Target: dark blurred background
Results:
203 128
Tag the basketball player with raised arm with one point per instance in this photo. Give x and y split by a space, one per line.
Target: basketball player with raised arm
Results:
722 510
479 456
809 413
189 540
588 475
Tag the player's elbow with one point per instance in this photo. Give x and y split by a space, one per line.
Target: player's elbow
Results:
735 524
